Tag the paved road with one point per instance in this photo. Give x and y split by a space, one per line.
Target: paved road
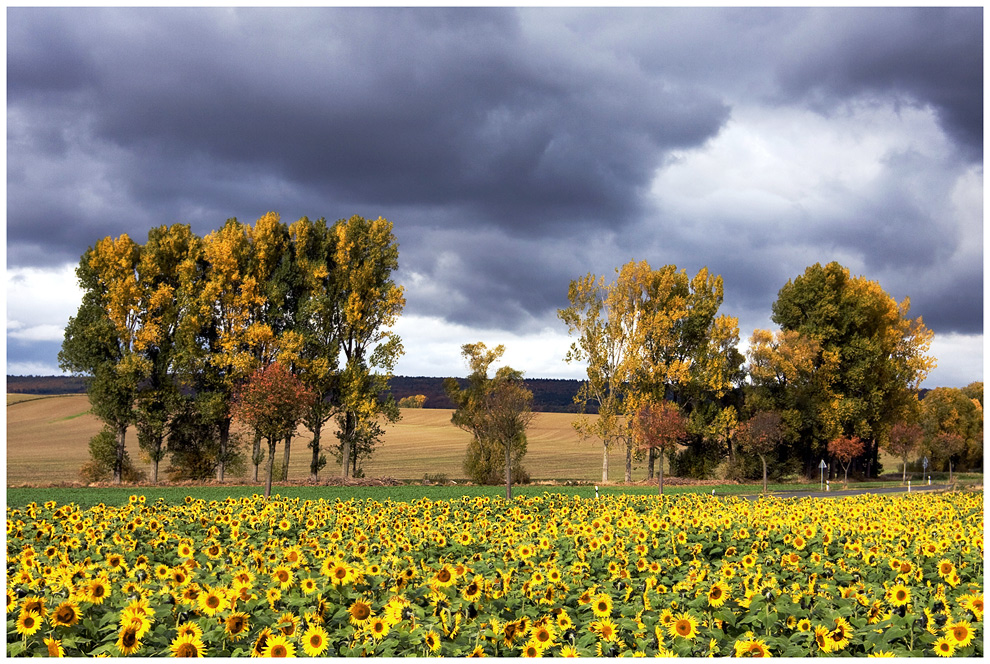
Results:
852 492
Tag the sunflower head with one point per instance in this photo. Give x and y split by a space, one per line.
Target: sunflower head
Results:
314 641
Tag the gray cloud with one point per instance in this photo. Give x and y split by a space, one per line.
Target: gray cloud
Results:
514 149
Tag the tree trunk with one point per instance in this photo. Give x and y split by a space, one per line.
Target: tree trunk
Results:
651 460
154 470
285 459
314 466
605 462
345 450
763 459
661 471
508 472
256 457
271 464
224 441
118 464
628 461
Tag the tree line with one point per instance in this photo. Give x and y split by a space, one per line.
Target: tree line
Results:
837 382
278 325
170 332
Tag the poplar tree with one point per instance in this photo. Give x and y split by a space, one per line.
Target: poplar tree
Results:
107 338
365 256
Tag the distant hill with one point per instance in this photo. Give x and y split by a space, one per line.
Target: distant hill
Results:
550 395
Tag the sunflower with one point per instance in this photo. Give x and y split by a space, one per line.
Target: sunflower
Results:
531 650
684 626
960 633
283 576
973 603
360 613
569 651
180 575
444 577
472 590
278 645
308 586
899 594
881 653
752 648
54 647
314 641
944 647
288 624
378 628
718 593
605 629
258 649
823 639
542 635
28 623
432 641
338 572
98 589
65 614
601 605
187 645
189 629
945 568
212 602
237 625
841 634
128 642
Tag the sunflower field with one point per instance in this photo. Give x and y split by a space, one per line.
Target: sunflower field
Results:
693 575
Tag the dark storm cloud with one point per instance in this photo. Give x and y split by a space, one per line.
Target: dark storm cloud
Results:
411 107
926 55
513 149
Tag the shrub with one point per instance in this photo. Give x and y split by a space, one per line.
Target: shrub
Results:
103 456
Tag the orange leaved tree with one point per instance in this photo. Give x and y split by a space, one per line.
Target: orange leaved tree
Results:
659 426
845 449
272 401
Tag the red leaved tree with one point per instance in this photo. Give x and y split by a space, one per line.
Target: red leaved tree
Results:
902 440
760 435
659 426
272 401
845 449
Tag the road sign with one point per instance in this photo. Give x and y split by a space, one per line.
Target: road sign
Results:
924 463
822 466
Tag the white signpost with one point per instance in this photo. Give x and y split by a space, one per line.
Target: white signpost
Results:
822 466
924 466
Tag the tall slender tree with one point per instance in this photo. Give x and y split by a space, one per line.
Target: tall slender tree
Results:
320 310
108 338
365 256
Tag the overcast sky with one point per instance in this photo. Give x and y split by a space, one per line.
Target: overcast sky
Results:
514 150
